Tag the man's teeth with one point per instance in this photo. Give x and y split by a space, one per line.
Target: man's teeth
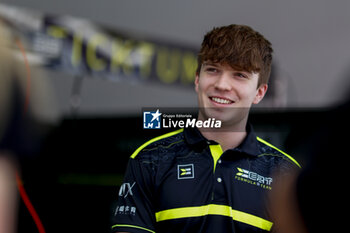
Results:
221 101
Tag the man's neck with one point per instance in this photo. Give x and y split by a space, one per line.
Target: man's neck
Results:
228 136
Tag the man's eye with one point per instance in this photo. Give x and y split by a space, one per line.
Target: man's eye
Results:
212 70
240 75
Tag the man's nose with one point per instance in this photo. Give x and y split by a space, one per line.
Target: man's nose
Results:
223 83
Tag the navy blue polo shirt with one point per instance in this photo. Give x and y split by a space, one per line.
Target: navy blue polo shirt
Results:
182 182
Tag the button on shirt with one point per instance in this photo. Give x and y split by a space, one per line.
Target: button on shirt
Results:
181 182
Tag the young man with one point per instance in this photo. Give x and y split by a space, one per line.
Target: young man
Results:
196 180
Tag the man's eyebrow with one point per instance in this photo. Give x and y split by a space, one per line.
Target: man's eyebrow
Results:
210 64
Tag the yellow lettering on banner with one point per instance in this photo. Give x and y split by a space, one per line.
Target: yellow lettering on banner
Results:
76 50
56 31
189 66
168 65
146 51
121 52
95 63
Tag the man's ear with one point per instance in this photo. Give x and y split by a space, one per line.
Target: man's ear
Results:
260 93
196 82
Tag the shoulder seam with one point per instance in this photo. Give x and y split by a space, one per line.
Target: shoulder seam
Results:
137 151
284 153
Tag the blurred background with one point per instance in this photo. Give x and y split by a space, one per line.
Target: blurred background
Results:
73 123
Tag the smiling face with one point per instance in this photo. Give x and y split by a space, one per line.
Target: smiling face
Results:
227 94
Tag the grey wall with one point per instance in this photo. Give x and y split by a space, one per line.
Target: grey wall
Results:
310 39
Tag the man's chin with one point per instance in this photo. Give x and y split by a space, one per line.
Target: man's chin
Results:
223 114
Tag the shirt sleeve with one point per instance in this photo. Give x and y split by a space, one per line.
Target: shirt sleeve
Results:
134 211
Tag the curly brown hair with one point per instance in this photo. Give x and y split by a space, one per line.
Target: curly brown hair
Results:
240 47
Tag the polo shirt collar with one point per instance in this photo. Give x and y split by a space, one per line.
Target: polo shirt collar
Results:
195 139
249 145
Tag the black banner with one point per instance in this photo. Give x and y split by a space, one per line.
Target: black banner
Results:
82 48
117 57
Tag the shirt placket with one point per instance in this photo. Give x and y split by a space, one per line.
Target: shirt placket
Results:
216 153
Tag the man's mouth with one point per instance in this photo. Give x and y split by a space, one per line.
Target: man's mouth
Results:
220 100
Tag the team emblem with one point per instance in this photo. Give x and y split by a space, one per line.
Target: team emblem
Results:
185 171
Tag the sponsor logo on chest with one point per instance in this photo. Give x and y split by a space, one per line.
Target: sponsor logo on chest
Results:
253 178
